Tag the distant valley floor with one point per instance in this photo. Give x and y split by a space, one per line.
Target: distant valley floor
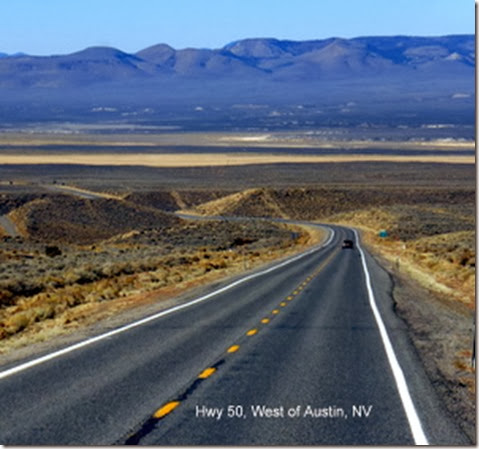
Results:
229 149
222 159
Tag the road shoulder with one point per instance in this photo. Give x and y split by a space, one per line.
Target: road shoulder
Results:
438 331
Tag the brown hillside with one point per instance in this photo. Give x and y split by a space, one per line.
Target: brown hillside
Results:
159 200
9 202
173 200
250 202
323 202
75 220
302 203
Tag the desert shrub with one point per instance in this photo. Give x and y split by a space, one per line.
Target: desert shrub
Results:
6 297
240 241
17 322
52 251
52 281
43 312
87 274
18 287
109 270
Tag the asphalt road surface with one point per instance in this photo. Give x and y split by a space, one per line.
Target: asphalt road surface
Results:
80 193
308 353
9 227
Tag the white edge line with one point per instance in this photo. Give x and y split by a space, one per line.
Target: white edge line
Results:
89 341
407 402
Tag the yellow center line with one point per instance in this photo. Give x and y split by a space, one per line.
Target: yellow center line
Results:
206 373
167 408
170 406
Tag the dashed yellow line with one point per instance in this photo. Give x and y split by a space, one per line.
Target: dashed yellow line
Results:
166 409
170 406
206 373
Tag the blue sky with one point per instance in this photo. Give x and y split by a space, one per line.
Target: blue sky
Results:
41 27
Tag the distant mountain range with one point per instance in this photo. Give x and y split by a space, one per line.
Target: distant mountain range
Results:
272 59
376 70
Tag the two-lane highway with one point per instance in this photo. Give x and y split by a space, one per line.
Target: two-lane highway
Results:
290 355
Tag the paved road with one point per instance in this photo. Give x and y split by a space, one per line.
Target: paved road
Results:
9 226
80 193
302 338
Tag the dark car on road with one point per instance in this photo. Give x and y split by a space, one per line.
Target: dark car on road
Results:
348 244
